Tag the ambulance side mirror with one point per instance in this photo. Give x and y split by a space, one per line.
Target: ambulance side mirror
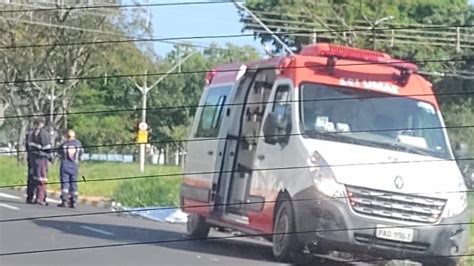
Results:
274 129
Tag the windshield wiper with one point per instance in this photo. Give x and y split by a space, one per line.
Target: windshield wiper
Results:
336 136
410 149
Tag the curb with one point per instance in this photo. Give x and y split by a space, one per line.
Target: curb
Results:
83 200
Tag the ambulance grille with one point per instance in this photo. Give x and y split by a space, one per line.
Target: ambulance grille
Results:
395 206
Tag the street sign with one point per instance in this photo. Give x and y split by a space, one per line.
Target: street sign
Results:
142 137
143 126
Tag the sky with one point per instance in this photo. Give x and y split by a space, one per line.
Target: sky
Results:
199 20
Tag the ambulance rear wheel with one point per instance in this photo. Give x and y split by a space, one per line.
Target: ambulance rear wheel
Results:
286 247
197 227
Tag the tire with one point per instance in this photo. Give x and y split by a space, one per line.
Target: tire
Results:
286 247
197 227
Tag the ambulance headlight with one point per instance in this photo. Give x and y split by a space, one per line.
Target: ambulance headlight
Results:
323 177
457 200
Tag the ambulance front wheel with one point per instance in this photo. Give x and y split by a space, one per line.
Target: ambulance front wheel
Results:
286 247
197 227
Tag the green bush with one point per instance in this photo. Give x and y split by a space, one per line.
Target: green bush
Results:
159 191
460 114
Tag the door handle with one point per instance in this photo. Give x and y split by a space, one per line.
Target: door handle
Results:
261 157
210 152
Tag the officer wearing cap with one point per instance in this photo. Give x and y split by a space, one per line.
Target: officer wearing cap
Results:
40 146
70 152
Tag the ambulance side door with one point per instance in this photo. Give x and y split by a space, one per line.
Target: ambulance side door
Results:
267 182
203 145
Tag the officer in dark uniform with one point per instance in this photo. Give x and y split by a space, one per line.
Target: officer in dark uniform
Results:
70 153
31 184
40 145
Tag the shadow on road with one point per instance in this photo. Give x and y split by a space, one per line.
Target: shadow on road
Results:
172 237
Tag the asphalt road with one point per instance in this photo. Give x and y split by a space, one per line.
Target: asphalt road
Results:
73 238
97 240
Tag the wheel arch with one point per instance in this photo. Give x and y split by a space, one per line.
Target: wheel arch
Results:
282 196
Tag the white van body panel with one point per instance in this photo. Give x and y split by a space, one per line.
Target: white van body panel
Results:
377 168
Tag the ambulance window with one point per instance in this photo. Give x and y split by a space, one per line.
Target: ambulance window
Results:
282 106
211 115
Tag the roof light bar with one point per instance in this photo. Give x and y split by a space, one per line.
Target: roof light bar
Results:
344 52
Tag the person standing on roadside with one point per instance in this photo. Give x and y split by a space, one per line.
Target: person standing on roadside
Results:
70 152
30 182
40 145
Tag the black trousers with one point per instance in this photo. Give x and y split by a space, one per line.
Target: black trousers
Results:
30 182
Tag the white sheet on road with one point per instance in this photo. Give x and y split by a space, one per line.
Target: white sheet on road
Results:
159 214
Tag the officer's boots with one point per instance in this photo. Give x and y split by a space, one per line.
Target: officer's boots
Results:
72 203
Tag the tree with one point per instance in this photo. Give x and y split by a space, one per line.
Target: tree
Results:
39 75
43 51
333 20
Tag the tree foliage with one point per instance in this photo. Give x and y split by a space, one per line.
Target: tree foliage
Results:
168 121
184 90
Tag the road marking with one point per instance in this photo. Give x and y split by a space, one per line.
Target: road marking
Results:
8 206
8 196
50 200
53 201
97 230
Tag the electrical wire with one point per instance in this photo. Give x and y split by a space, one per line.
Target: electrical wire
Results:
317 66
263 235
215 37
303 17
59 8
188 207
253 170
208 238
248 137
186 44
443 94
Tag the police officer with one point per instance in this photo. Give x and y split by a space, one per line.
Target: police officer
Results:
70 153
40 145
30 187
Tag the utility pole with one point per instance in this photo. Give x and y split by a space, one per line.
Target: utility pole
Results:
243 7
375 24
145 89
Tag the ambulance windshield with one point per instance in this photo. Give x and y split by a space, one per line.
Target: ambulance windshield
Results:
371 119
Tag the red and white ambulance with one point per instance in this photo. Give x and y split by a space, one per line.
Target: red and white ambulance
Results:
334 148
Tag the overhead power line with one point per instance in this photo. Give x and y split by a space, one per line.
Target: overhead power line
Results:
89 30
457 74
34 218
254 137
204 46
395 61
310 21
441 94
217 36
254 170
78 7
179 240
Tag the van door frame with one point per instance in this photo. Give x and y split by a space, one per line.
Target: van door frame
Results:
219 199
222 208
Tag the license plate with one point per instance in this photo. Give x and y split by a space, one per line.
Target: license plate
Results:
396 234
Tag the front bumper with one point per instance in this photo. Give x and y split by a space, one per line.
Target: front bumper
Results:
330 224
